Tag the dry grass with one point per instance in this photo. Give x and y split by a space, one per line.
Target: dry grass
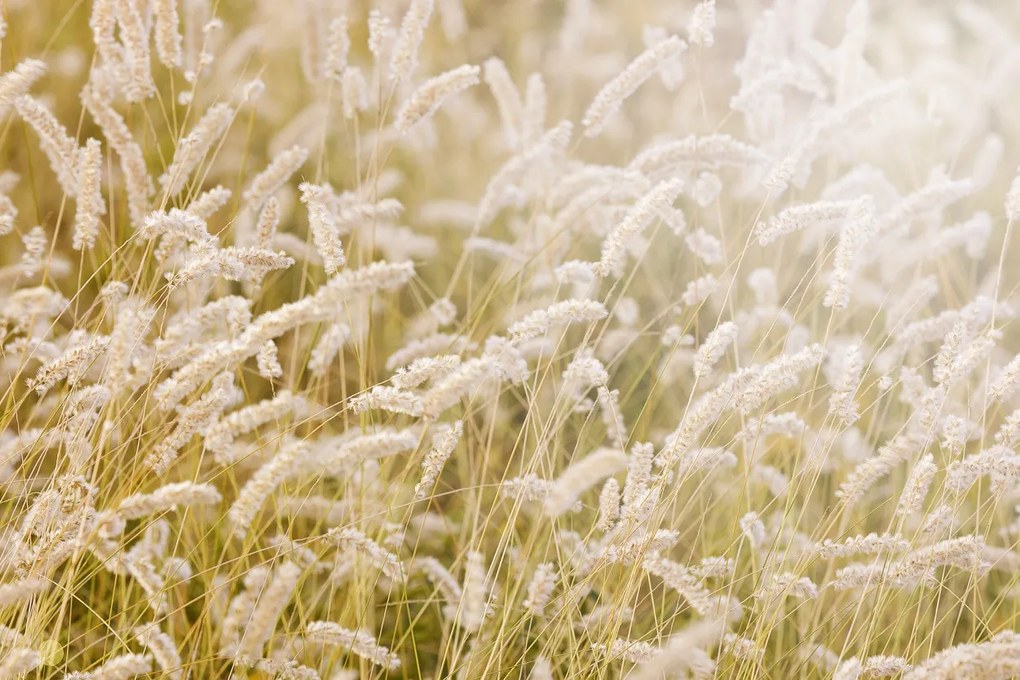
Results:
530 354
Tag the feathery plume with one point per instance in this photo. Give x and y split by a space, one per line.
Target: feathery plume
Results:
358 642
713 348
614 247
443 443
262 187
324 227
60 148
162 648
580 476
558 314
17 82
610 98
404 58
168 37
193 148
540 588
90 199
431 95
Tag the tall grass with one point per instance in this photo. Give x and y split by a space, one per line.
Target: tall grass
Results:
508 340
